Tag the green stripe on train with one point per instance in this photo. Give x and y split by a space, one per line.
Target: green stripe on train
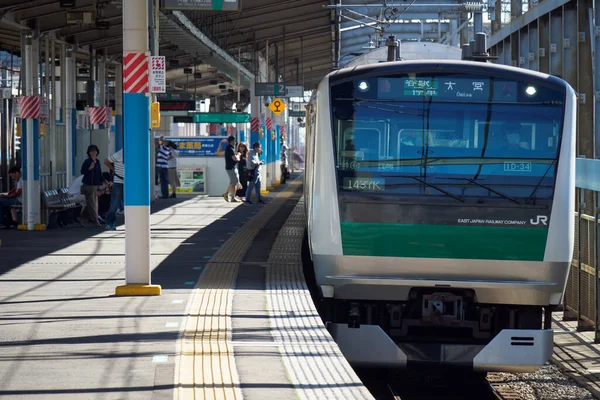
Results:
443 241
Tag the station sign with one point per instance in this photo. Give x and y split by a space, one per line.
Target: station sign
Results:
202 5
294 91
269 89
295 114
221 118
277 106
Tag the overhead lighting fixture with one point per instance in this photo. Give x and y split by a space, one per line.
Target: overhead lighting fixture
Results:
67 3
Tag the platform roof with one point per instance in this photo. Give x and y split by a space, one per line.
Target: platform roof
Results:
194 38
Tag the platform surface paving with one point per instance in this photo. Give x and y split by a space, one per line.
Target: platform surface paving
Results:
209 335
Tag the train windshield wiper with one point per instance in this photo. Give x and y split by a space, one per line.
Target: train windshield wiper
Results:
532 196
432 186
474 182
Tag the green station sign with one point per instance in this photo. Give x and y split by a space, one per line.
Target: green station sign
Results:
221 118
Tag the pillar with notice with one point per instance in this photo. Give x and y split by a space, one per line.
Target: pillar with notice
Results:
136 152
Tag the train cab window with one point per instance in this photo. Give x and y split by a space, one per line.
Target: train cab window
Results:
447 140
362 141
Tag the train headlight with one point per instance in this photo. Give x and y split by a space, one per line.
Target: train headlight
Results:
363 86
530 90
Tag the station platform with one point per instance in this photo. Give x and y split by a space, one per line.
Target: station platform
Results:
235 319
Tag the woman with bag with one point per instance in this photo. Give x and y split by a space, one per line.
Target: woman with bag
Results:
92 178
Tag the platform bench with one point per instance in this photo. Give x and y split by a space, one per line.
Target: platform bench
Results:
59 207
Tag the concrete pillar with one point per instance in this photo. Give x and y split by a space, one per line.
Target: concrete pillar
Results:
464 33
102 80
477 21
497 21
70 113
137 134
118 107
454 28
52 117
263 68
516 8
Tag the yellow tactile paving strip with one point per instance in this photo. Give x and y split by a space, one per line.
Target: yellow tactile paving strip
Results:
326 374
205 366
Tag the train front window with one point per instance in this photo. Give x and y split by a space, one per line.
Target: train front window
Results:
451 136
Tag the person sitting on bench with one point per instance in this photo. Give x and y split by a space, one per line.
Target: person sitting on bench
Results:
12 198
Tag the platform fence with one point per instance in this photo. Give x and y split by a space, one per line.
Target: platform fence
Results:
582 295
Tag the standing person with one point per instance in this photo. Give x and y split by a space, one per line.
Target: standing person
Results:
253 164
283 157
115 163
173 175
92 178
12 198
162 162
242 169
231 160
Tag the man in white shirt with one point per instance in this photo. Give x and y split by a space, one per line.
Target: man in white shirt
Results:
14 197
253 164
115 163
173 175
283 157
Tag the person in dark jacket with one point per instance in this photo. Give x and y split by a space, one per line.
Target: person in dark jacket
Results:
92 178
243 150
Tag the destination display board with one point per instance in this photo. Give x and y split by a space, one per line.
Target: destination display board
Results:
447 89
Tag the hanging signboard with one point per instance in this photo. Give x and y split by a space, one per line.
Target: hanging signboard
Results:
199 146
221 118
175 97
158 74
269 89
203 5
294 91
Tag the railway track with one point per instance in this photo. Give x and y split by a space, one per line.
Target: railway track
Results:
403 385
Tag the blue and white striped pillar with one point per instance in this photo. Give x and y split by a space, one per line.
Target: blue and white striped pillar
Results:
31 143
118 107
136 130
277 158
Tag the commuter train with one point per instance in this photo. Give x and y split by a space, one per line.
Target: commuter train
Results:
439 199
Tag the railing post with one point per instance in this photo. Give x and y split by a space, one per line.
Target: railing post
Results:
579 263
596 280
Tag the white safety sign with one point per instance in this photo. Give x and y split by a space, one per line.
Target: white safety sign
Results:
158 74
